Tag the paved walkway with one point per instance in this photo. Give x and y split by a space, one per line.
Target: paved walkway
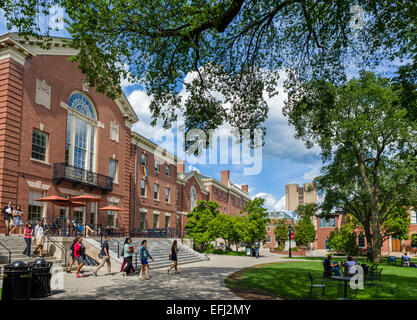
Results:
200 280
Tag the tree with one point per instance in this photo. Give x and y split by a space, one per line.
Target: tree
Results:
281 230
304 231
230 229
397 224
343 239
199 226
256 220
233 49
367 141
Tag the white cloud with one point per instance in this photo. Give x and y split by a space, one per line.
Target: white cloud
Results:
310 175
271 203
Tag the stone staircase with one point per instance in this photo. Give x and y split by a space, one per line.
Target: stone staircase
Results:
16 244
160 250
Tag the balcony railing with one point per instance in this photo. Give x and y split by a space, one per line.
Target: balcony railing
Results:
64 172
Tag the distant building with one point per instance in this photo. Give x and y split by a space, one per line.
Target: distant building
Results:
270 241
295 195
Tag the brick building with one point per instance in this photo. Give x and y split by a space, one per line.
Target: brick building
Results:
60 137
324 226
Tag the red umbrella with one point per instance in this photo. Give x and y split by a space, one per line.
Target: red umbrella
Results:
54 200
85 198
111 208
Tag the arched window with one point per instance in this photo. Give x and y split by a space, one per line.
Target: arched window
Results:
193 194
81 129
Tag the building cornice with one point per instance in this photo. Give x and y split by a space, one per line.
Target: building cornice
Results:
10 48
152 147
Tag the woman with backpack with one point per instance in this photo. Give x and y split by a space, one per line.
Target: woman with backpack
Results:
28 238
72 254
173 256
17 219
128 251
144 255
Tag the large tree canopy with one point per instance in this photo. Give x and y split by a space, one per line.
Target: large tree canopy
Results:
232 48
368 143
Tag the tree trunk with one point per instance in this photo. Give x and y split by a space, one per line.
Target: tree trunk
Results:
376 236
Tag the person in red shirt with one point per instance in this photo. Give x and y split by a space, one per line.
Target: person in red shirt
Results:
78 255
28 238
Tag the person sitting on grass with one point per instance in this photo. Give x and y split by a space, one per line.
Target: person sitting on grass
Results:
330 267
406 260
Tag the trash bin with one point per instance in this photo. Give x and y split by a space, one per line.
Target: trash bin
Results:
248 253
16 281
41 279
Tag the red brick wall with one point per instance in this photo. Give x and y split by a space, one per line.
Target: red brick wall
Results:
11 104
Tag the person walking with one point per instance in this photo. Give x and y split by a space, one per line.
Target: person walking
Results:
39 237
8 218
17 219
78 255
28 238
104 256
257 246
72 254
128 251
144 255
174 252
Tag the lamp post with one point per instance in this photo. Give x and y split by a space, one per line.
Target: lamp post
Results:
289 240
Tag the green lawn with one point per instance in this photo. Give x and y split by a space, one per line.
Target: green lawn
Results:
290 281
222 252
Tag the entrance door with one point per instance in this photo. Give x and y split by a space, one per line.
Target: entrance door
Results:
396 245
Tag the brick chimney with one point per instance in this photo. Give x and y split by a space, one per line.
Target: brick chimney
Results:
245 188
181 166
225 176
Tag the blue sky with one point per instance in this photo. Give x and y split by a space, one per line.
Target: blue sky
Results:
284 159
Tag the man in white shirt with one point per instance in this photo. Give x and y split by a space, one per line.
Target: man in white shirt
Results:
351 265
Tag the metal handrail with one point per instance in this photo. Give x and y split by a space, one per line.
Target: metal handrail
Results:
10 253
60 246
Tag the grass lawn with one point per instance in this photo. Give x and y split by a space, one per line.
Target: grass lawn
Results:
290 281
222 252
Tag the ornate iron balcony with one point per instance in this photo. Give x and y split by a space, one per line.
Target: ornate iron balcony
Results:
64 172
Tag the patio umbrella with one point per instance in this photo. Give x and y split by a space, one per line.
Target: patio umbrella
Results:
111 208
54 200
85 198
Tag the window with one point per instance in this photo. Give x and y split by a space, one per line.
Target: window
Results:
155 220
167 170
361 241
327 223
156 165
178 198
224 209
78 216
224 196
268 238
332 222
113 169
321 222
167 194
327 245
143 188
81 129
413 217
142 221
192 197
240 203
35 210
215 193
39 145
93 213
155 191
111 216
143 162
220 195
167 218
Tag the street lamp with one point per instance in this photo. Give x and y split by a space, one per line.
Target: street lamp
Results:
289 240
